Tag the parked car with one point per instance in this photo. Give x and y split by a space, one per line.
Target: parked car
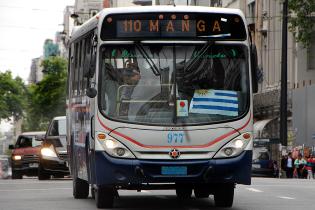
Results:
53 155
25 154
262 164
5 169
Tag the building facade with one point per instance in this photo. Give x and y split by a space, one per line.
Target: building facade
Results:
265 22
85 9
36 74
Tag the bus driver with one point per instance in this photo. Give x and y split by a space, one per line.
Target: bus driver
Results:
130 79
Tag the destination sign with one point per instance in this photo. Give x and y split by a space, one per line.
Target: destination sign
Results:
173 25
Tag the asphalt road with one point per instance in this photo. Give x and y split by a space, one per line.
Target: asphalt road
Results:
263 194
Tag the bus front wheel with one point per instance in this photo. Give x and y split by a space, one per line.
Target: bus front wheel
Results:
224 195
104 197
80 188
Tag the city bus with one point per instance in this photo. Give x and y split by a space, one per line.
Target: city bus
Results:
161 98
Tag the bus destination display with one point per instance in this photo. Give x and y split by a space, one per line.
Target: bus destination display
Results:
159 26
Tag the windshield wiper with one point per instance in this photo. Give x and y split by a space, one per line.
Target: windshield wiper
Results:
153 67
203 50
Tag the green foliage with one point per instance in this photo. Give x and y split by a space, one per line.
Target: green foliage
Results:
12 96
47 98
301 22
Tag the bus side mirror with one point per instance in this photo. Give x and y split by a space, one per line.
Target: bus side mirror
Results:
254 67
11 146
91 92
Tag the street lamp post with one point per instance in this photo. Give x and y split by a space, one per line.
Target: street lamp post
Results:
284 76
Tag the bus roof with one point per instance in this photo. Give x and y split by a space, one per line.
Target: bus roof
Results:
94 21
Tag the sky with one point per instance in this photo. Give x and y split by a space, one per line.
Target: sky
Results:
24 26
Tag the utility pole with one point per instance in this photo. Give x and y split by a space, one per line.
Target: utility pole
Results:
284 77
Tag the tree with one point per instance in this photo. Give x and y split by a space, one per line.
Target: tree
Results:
47 98
12 96
301 20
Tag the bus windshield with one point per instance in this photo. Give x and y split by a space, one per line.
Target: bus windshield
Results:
165 84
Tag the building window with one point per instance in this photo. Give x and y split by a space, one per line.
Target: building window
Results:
311 54
251 12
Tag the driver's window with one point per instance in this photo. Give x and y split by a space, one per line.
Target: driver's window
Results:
54 130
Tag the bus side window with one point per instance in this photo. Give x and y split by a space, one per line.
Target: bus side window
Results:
93 53
78 62
71 70
82 51
87 62
75 70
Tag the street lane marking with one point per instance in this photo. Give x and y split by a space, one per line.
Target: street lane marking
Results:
254 190
37 182
21 190
145 191
285 197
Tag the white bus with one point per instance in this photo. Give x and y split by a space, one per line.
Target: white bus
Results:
161 98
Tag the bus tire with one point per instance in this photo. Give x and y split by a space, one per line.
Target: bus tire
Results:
80 188
201 192
224 195
183 192
42 175
104 197
16 175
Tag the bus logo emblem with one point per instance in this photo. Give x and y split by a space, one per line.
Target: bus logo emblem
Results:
174 153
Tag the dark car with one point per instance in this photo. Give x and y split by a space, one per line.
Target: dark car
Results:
262 164
25 154
53 156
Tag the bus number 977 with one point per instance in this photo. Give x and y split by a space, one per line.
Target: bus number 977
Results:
175 138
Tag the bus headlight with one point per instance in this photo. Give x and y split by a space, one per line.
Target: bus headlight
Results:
234 147
48 152
113 147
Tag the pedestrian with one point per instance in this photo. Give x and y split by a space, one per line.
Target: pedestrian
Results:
299 164
275 169
289 166
309 167
284 160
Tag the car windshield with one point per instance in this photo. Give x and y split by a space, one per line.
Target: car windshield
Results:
172 84
27 141
58 128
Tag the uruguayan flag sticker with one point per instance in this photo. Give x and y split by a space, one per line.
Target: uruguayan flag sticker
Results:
220 102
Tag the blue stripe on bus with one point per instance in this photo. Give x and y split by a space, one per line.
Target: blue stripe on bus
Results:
216 100
214 107
226 94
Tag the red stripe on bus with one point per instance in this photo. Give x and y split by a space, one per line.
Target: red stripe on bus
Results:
175 146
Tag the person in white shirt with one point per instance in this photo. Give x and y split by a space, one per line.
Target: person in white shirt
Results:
289 166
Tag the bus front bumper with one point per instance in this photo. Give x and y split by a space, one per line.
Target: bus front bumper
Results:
121 172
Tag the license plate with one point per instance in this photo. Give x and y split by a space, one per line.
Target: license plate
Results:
256 166
33 165
174 170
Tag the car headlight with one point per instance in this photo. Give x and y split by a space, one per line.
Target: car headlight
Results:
48 152
234 147
17 157
113 147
